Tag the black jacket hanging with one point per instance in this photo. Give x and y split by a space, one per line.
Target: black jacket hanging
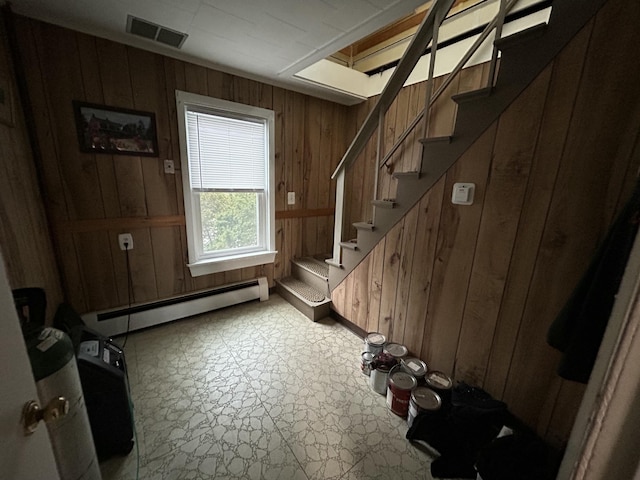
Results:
580 326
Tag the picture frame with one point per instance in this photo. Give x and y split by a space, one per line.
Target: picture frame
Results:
115 131
6 102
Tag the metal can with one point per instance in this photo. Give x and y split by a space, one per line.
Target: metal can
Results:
365 363
440 383
396 350
399 390
374 342
415 367
378 379
423 399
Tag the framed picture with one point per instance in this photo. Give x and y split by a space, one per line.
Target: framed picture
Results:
112 130
6 102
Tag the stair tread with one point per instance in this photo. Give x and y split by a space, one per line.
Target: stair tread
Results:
351 245
364 226
384 203
472 95
303 290
313 265
443 139
406 174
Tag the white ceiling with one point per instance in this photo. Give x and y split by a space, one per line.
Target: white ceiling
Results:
268 40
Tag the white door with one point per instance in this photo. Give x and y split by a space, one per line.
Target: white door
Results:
21 457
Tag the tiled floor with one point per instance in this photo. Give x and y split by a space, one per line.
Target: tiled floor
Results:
258 391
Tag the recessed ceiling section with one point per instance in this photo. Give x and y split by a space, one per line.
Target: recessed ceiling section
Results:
388 44
364 67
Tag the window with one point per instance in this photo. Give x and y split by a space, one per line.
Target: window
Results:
227 164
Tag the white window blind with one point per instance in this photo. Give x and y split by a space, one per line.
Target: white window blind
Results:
225 153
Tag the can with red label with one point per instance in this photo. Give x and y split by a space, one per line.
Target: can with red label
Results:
399 390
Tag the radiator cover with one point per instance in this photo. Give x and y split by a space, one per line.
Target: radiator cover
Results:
114 321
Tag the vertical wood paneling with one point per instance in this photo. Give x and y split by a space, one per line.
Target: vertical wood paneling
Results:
391 266
559 106
404 281
454 252
360 294
62 66
578 221
25 243
375 286
443 111
515 143
422 267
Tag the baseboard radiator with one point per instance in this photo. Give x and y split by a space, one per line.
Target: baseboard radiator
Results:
118 321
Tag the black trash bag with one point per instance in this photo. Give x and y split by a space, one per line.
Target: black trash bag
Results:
522 455
473 420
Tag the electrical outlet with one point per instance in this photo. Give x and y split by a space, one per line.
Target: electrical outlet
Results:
291 198
125 238
169 167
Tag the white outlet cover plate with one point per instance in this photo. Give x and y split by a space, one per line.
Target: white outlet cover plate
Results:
291 198
125 238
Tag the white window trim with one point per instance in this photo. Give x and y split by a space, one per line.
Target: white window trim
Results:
205 266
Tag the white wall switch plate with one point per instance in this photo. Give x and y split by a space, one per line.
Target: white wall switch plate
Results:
125 238
169 167
291 198
463 193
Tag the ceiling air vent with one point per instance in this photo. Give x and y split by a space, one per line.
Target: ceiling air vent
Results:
152 31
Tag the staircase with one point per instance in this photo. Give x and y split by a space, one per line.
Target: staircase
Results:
523 56
307 288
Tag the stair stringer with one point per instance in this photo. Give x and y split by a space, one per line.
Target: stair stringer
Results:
524 57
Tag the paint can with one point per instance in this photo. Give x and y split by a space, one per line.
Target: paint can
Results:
365 362
440 383
423 399
378 379
396 350
415 367
399 390
374 342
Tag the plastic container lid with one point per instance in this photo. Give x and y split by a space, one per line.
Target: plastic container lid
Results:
396 350
426 398
438 380
414 366
376 339
403 380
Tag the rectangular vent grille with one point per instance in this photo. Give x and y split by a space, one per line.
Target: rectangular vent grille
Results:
152 31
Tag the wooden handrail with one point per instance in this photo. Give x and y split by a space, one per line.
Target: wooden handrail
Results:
394 85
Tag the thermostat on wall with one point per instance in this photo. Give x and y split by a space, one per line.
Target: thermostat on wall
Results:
463 193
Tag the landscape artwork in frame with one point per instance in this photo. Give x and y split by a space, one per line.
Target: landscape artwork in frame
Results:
112 130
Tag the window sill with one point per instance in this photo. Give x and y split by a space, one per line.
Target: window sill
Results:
222 264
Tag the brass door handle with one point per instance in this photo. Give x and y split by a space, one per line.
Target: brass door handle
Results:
32 413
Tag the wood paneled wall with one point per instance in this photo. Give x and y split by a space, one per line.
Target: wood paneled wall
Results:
25 241
473 289
92 198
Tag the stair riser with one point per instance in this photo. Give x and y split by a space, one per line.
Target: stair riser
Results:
310 278
314 313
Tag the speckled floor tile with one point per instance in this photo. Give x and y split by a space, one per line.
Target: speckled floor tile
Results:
257 391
